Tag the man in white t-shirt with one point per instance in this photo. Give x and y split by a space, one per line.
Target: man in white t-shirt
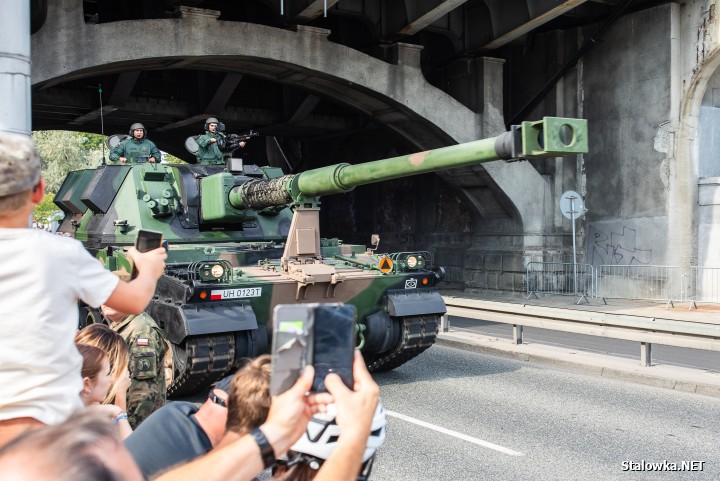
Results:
42 277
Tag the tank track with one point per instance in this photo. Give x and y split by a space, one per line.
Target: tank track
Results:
208 359
418 334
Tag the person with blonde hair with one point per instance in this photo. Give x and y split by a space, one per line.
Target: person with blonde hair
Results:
248 398
96 384
112 343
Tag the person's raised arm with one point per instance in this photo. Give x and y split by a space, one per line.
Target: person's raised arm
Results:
241 460
355 410
134 296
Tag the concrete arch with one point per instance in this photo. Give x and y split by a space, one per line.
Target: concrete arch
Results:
396 95
687 215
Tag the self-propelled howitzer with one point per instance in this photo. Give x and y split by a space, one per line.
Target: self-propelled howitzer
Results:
245 238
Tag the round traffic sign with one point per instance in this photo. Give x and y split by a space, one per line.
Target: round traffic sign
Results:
571 205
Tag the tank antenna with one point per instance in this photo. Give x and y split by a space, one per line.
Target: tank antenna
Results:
102 124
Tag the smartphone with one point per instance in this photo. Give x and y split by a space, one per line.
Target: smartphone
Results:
148 240
333 344
291 344
145 241
322 335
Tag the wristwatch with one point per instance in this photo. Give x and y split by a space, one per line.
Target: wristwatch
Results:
266 450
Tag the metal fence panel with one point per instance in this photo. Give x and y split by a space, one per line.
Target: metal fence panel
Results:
658 283
702 284
559 278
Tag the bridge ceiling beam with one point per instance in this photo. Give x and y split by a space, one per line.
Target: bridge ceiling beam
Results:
223 92
120 93
54 107
441 9
527 15
314 10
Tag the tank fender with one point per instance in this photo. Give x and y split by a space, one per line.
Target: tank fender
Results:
414 302
178 322
382 332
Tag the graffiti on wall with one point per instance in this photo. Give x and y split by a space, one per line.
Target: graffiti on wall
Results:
617 248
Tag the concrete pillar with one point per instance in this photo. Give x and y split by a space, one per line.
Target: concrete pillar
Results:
15 69
409 54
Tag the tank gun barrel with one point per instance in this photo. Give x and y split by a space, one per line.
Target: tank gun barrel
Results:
550 137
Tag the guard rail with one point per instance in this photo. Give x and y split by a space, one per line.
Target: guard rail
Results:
645 330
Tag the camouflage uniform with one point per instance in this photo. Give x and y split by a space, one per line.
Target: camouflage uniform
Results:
208 152
131 148
147 351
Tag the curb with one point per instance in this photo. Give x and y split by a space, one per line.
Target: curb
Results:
676 378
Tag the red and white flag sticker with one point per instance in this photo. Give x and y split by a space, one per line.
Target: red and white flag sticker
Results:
142 341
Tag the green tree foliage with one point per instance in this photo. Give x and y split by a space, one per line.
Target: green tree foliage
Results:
62 151
45 209
171 159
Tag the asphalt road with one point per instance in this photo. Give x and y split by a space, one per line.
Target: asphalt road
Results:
676 356
495 419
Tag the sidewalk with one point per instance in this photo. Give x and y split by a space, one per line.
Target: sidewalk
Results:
698 381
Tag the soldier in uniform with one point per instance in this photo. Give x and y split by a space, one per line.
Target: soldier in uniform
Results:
209 152
136 146
147 347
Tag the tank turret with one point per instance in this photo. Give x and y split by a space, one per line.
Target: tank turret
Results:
245 238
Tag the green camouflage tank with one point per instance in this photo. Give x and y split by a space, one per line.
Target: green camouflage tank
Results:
243 239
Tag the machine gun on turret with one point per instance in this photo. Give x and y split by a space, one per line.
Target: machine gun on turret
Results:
231 142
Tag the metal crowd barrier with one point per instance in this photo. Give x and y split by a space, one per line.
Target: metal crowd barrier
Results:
655 283
560 278
702 284
639 282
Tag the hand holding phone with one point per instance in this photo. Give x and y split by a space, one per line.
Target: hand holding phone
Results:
333 344
145 241
322 335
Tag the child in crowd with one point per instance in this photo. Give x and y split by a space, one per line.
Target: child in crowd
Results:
97 380
43 278
114 346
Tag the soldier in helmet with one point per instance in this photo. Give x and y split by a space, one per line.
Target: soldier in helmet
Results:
147 347
210 144
136 148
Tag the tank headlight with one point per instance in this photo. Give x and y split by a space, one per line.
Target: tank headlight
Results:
412 261
217 271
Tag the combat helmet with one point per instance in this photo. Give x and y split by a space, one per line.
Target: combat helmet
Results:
211 120
138 125
321 437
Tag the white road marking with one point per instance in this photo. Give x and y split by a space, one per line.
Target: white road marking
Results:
456 434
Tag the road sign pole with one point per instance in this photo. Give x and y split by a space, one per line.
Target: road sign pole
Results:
572 214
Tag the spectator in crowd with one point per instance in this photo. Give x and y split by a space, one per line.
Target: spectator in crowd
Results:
96 384
307 457
137 148
86 447
180 432
248 398
287 421
44 277
112 343
147 346
343 443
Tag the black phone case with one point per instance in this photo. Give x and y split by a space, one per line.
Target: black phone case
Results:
333 344
146 240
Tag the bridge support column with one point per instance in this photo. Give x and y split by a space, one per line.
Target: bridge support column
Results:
15 69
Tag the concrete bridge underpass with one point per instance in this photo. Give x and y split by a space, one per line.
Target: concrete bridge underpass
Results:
315 102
